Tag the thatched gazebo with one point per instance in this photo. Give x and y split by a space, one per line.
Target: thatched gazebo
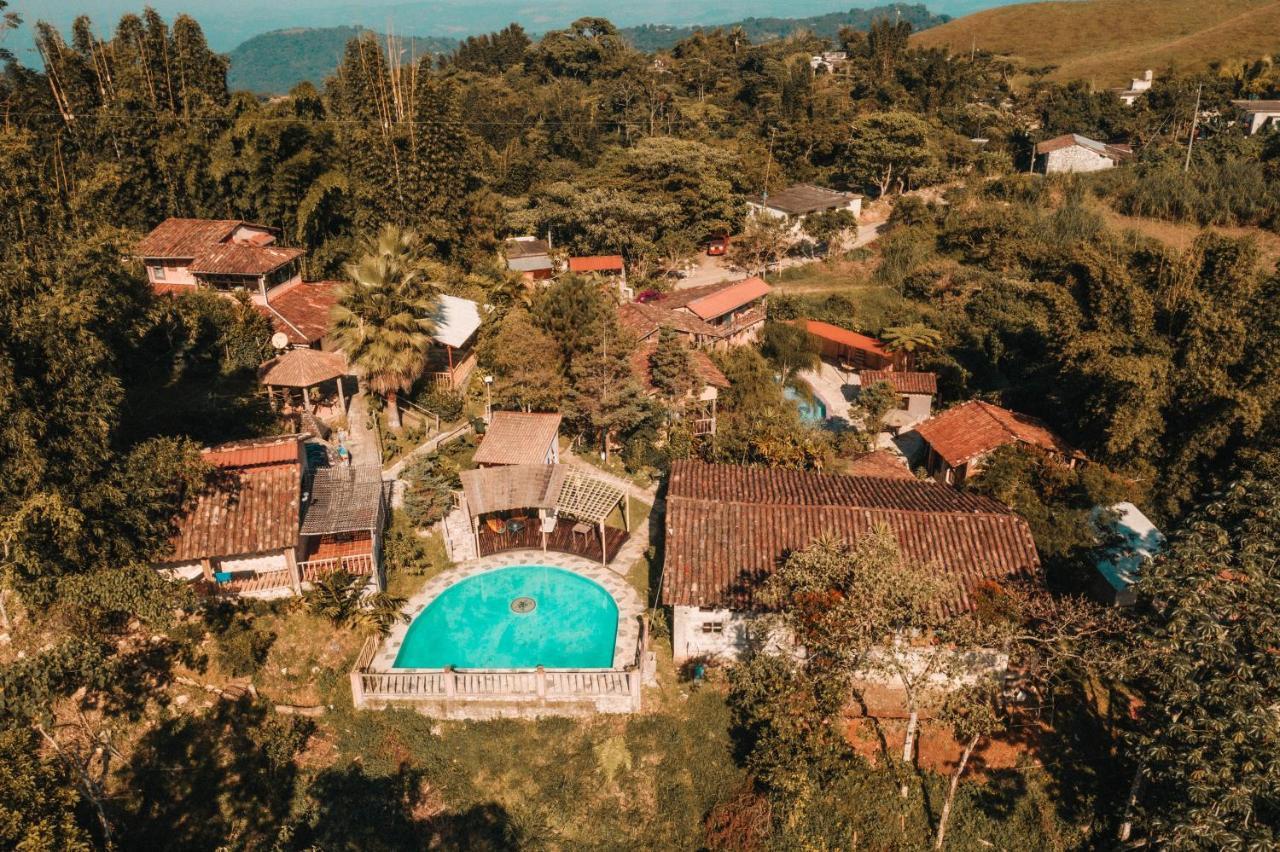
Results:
303 369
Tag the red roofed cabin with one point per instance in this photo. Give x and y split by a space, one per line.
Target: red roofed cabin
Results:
606 266
733 310
959 439
728 528
707 384
265 525
232 255
850 350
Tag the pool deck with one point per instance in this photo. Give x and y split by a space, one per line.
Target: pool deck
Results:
630 606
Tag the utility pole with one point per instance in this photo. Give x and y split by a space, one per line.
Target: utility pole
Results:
1195 122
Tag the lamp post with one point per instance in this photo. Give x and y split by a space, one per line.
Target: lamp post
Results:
488 399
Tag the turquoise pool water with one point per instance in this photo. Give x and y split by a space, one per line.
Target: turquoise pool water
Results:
811 411
515 618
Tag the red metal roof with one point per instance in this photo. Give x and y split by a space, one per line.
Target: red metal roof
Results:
901 380
261 451
728 527
597 263
967 431
844 337
729 298
301 310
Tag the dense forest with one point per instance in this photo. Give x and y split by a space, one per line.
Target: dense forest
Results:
1162 364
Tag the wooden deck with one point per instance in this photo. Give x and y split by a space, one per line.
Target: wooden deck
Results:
562 540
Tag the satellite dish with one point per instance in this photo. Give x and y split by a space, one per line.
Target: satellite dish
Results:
280 340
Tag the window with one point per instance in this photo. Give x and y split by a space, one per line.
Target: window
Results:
904 403
713 627
157 272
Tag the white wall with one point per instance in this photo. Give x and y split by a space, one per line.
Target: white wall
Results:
258 564
173 273
1075 159
738 632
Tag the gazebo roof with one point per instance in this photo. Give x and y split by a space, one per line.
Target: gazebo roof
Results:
302 368
539 486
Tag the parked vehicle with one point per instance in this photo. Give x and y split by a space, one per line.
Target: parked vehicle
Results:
718 246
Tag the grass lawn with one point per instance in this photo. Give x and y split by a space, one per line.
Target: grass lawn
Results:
873 301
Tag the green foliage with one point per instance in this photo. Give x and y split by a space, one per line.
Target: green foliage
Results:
432 480
670 366
527 363
38 798
1206 728
875 401
340 597
442 401
242 647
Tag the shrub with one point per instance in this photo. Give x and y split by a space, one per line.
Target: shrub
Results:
242 647
445 403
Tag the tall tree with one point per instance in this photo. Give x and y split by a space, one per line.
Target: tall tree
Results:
386 314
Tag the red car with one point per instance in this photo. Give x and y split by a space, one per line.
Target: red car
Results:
718 246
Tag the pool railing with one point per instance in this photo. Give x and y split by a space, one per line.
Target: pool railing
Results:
488 693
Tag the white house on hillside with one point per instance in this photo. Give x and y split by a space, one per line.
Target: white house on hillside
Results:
1075 153
800 199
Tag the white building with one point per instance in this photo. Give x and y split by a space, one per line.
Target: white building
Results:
727 527
1137 86
1074 153
915 395
799 200
1259 115
1135 541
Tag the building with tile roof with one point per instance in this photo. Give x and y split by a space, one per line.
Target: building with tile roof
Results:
960 438
728 528
255 529
735 310
699 410
520 437
231 256
915 395
1072 153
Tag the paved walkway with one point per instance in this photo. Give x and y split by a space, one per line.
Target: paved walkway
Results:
829 385
361 440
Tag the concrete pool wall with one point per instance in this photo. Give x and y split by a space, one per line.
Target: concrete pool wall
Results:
505 693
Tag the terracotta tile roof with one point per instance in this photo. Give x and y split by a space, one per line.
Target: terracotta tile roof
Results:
728 527
597 263
970 430
302 368
185 238
902 381
644 320
879 463
728 298
251 504
801 198
844 337
242 259
301 310
517 437
706 369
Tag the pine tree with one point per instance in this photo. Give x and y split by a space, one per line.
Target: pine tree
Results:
670 366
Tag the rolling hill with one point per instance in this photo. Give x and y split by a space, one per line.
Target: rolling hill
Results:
1109 41
273 63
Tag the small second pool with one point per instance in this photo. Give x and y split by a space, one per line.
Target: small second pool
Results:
811 410
515 618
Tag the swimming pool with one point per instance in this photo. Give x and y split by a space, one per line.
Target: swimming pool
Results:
811 410
515 618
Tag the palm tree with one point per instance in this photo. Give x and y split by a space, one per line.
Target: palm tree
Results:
910 339
386 314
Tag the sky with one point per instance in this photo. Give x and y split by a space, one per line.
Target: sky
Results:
227 23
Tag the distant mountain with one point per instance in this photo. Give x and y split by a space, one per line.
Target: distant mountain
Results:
649 37
1112 41
275 62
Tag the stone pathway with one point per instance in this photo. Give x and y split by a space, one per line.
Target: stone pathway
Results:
361 440
459 540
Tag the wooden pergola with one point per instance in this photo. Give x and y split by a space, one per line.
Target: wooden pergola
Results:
557 489
303 369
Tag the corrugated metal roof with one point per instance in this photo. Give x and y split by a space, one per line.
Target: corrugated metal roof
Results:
729 298
728 527
596 263
525 247
844 337
272 450
531 263
801 198
457 321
